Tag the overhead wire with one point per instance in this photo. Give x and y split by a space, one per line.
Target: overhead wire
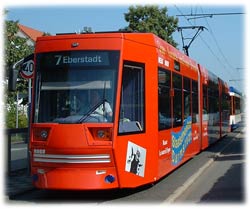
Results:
230 69
218 59
207 45
217 44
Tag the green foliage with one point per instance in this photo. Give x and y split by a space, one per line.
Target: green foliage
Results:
15 48
152 19
11 118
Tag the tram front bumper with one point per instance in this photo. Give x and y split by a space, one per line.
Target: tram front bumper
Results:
75 178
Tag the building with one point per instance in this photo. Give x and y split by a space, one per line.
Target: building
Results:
29 33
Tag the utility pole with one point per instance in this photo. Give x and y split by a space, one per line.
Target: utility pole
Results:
17 98
180 29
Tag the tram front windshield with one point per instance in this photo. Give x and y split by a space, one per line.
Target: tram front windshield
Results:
75 86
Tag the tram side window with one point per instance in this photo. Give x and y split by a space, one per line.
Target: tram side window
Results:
177 101
205 108
232 112
187 97
164 101
213 97
237 105
225 105
195 115
132 107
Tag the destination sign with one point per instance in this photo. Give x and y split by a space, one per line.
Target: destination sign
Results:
78 60
75 58
82 58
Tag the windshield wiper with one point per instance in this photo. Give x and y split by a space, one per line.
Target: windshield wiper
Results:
92 110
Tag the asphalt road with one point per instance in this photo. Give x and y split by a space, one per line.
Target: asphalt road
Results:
216 174
224 180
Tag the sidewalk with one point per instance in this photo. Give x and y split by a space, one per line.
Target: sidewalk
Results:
19 182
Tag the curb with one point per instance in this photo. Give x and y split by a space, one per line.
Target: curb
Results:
188 183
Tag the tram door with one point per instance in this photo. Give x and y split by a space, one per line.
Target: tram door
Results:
132 146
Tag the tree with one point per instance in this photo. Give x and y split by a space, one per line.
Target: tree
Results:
16 48
152 19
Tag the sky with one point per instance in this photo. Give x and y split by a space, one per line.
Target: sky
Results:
220 47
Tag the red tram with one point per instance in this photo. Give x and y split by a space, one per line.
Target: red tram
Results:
119 110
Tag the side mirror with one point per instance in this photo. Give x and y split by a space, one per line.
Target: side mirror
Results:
13 73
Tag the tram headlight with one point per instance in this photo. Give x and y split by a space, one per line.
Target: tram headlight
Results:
100 133
44 134
41 133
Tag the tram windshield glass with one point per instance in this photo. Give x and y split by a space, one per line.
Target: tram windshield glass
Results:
75 86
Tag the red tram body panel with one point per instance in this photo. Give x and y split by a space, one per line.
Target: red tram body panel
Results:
119 110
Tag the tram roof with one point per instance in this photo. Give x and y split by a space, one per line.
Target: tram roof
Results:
234 90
